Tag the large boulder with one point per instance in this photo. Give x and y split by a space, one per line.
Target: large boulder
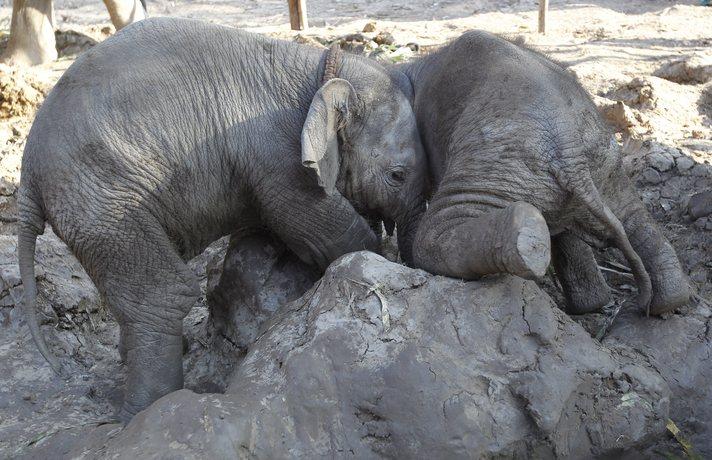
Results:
381 360
679 348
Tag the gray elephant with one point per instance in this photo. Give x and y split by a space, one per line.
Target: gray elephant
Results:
181 132
518 152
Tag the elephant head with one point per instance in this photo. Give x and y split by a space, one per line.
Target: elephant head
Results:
363 143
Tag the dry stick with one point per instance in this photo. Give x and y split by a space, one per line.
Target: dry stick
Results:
606 269
298 14
543 7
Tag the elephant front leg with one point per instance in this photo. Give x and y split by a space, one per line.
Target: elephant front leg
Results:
584 288
514 240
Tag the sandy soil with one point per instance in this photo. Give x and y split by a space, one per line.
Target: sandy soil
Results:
615 48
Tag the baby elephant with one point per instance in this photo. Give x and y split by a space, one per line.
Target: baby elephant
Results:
518 152
174 133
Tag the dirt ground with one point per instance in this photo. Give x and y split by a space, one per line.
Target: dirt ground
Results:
648 65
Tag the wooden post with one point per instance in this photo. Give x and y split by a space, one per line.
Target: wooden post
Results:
298 14
543 6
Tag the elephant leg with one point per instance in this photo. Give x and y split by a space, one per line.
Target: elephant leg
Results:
514 240
149 289
125 12
584 288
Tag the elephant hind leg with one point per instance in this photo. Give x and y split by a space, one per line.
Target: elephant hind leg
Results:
584 288
150 290
514 239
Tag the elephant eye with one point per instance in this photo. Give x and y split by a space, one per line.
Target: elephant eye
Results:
396 176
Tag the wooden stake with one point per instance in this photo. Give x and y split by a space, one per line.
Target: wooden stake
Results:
543 7
298 14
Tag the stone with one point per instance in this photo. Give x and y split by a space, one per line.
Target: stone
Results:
257 275
684 163
700 204
661 160
379 360
369 27
651 176
384 38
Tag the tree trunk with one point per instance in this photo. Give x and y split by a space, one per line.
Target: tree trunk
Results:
125 12
31 34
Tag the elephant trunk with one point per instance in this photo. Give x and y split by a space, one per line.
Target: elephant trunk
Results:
407 228
670 288
465 235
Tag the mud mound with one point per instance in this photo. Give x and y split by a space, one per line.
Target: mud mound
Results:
20 92
379 360
690 70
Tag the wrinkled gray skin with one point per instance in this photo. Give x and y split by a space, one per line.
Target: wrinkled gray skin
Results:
181 132
515 145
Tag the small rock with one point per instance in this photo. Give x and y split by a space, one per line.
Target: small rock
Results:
384 38
307 40
700 204
698 134
651 176
413 46
369 27
661 160
361 38
684 163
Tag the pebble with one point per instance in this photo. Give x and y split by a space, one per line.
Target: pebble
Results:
651 176
662 161
684 163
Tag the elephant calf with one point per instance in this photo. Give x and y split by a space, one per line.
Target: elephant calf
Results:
518 152
173 133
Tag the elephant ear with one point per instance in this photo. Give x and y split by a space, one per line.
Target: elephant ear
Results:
320 144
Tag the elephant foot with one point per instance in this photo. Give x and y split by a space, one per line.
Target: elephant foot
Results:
670 291
526 245
584 287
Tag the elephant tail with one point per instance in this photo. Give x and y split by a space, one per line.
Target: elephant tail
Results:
32 221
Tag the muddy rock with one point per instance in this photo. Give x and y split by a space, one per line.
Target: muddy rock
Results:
381 360
679 348
700 204
257 275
